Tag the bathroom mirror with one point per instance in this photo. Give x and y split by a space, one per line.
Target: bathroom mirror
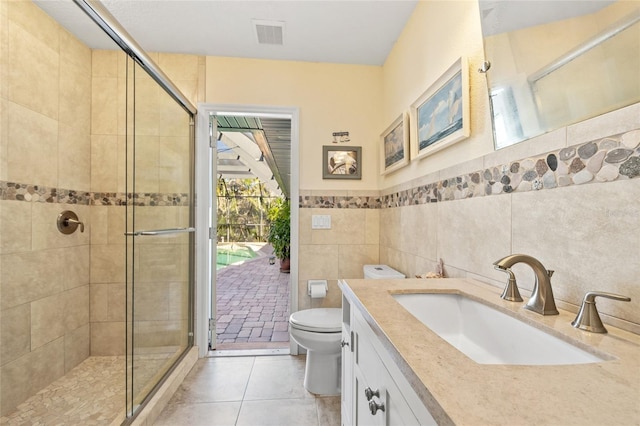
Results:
554 63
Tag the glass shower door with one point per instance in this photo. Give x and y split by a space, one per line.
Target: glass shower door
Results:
159 235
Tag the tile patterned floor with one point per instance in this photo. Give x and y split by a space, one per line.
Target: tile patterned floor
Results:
249 391
92 393
253 304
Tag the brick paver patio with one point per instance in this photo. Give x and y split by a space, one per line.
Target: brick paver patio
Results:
252 305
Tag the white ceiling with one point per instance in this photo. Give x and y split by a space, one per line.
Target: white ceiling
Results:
335 31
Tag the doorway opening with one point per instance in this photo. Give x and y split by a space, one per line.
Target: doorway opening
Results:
251 297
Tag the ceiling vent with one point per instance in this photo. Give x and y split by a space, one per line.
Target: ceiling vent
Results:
269 32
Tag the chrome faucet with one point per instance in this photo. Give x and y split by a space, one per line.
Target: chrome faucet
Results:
541 300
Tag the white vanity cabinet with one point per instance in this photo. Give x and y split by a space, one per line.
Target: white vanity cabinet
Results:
374 391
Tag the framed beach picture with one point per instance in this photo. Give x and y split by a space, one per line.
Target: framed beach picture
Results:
342 162
440 117
394 145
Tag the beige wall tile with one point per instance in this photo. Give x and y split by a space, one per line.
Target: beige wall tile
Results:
33 71
99 302
173 165
318 262
147 155
104 106
4 126
372 226
99 220
151 301
76 268
475 233
104 63
45 232
419 230
47 320
116 224
28 374
4 51
390 227
32 148
347 227
151 334
74 159
15 330
352 258
161 263
179 300
77 347
76 308
107 338
74 51
15 226
30 276
107 264
591 245
332 300
116 308
75 97
104 163
34 21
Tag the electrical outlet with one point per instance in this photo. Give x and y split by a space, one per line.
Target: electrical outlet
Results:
320 221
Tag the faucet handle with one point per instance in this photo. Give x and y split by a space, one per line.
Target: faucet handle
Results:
588 317
511 292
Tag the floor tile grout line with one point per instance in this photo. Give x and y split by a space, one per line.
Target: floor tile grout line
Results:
244 394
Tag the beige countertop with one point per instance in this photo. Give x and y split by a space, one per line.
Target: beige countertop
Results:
457 390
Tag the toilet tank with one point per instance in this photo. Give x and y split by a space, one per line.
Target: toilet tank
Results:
379 272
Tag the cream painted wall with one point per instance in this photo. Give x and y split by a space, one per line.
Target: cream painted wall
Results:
437 34
331 97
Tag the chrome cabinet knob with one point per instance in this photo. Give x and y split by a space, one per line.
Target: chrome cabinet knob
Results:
344 343
375 406
370 393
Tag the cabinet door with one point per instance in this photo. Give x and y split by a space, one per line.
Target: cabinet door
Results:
347 376
370 372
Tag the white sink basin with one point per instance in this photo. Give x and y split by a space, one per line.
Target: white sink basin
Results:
487 335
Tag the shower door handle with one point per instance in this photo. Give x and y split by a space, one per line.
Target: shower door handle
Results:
166 231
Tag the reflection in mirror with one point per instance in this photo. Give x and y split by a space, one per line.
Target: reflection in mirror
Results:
554 63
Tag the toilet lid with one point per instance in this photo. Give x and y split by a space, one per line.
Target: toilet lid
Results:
323 320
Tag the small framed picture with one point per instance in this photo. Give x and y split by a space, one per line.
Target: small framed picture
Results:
394 145
440 117
343 162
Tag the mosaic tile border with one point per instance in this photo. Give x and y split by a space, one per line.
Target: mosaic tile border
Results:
608 159
41 194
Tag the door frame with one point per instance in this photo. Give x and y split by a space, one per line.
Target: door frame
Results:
205 195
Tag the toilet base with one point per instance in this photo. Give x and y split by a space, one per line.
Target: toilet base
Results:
322 374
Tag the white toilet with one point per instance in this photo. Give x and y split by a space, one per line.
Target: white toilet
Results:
319 331
380 272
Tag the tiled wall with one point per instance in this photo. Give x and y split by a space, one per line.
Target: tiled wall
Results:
338 252
161 197
62 297
44 275
570 198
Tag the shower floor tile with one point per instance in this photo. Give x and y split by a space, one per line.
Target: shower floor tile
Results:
92 393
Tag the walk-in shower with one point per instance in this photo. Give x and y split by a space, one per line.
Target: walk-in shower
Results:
99 140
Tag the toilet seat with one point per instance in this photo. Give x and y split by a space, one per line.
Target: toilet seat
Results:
318 320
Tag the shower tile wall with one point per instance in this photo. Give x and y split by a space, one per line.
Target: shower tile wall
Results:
62 105
44 275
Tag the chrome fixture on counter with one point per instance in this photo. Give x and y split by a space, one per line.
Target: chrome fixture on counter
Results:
68 222
588 318
541 300
510 292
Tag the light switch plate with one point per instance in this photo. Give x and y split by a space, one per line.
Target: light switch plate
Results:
320 221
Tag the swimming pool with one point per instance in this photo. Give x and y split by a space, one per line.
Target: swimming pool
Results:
226 256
